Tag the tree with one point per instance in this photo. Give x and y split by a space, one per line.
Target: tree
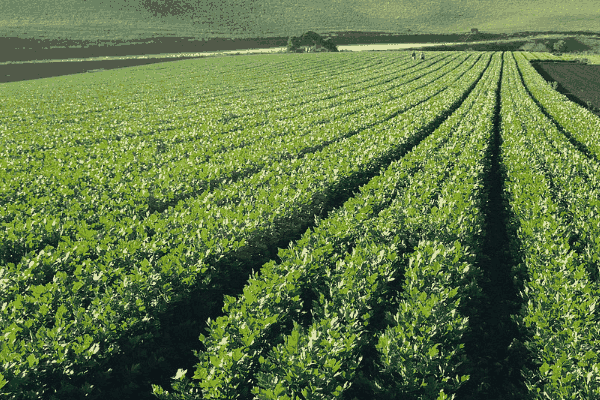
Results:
329 45
310 38
311 41
293 44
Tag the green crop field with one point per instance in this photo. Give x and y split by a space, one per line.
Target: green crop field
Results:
300 226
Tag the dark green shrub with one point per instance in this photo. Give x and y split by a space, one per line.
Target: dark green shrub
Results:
560 46
293 44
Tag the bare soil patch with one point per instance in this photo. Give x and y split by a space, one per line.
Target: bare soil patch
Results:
27 71
579 82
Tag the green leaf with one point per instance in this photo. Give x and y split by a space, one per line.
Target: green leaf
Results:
32 360
433 351
94 348
180 374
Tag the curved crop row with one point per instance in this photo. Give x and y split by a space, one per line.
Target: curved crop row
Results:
82 95
183 146
291 85
129 128
114 284
344 267
207 130
160 109
421 354
578 122
85 201
136 185
560 296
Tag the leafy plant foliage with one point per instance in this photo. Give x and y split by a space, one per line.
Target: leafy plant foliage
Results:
335 229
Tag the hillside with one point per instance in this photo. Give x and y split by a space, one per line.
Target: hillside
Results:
129 19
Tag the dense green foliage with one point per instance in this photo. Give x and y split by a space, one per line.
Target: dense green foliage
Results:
553 189
333 236
311 41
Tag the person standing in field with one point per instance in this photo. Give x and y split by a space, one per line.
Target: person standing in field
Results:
422 56
414 55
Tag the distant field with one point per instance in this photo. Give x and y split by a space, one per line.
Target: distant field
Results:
46 60
329 225
576 46
592 58
37 46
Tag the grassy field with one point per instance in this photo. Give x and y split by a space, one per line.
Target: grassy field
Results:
135 19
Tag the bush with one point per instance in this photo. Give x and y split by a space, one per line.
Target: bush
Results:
293 44
309 40
329 45
534 47
560 46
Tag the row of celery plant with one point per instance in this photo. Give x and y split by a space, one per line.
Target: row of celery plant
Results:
97 168
322 358
132 133
54 227
77 300
85 95
560 297
345 264
125 104
86 202
418 354
75 199
575 178
203 142
272 299
222 198
154 106
577 121
157 114
135 131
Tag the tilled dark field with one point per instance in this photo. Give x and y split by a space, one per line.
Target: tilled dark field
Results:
27 71
580 82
